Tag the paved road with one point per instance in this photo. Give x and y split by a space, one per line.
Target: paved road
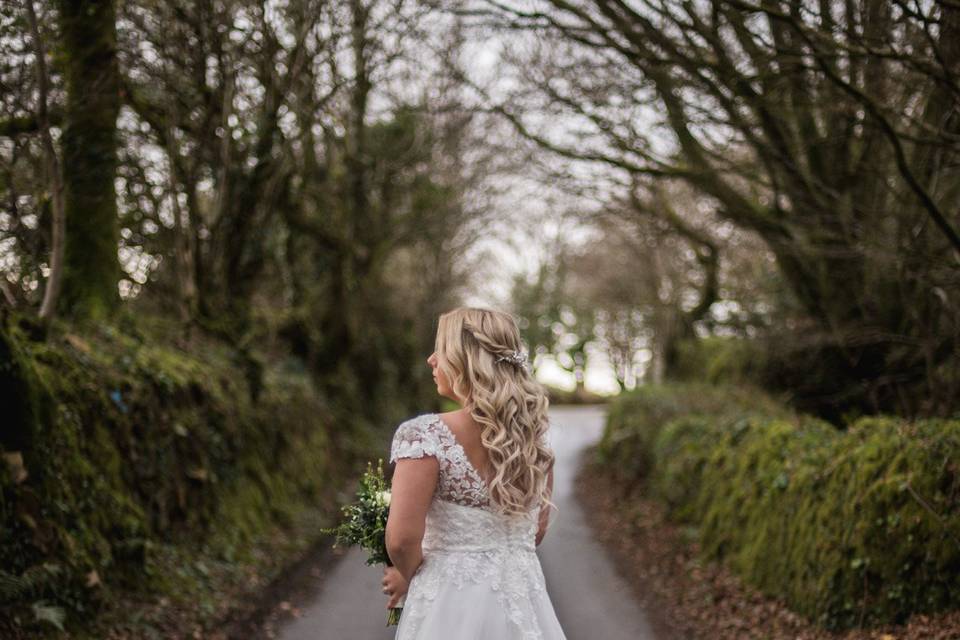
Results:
592 601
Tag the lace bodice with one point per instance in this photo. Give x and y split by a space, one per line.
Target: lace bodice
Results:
429 435
465 540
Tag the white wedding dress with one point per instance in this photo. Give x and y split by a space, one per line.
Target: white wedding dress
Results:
480 578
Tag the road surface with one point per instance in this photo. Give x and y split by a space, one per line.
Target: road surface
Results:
591 599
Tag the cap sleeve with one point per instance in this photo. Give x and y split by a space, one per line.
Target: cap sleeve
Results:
414 439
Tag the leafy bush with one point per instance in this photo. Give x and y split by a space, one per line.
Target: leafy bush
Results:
850 527
634 419
121 450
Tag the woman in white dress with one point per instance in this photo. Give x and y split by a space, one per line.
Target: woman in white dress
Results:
471 493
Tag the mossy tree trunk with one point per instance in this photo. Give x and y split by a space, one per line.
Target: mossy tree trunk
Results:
91 266
351 272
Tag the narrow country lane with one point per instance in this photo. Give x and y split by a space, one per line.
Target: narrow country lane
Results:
591 599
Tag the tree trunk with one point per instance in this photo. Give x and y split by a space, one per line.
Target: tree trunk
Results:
52 292
91 266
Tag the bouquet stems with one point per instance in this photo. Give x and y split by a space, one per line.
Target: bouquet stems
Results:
393 616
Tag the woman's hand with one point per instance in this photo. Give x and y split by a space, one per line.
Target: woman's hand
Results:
394 585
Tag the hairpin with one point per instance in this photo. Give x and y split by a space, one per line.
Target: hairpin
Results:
516 357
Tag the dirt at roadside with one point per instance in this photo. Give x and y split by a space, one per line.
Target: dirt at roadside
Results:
282 599
697 600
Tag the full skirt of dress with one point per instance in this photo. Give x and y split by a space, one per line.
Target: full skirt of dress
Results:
474 612
489 587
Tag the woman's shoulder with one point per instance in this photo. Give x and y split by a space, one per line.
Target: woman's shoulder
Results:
420 423
415 437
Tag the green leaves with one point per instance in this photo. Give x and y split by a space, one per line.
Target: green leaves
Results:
365 521
848 527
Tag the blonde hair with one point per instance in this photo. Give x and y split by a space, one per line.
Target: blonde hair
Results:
503 397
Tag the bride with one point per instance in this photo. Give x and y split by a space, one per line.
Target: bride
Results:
471 493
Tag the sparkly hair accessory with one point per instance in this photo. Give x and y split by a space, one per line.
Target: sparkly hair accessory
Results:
516 357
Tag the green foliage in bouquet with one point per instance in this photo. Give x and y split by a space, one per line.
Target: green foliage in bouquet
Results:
365 522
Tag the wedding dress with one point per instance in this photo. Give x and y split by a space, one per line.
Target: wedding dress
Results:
480 578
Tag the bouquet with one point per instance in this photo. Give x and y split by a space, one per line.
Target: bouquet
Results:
365 524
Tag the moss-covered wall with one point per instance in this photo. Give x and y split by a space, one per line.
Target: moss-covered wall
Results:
634 419
134 450
853 527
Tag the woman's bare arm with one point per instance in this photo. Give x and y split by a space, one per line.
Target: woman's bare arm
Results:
414 482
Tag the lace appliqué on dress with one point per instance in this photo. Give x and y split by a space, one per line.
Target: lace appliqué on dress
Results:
465 541
467 545
428 435
413 440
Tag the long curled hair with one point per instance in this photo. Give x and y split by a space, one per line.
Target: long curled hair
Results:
504 398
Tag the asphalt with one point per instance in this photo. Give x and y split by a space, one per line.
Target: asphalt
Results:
591 599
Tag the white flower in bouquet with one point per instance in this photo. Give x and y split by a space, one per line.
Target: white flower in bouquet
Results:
384 498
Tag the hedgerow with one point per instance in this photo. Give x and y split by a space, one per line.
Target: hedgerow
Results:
129 463
850 527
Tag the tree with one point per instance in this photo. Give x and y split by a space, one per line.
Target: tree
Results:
824 128
51 294
82 264
554 320
89 58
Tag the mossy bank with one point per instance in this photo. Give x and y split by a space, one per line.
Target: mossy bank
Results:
143 477
851 526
